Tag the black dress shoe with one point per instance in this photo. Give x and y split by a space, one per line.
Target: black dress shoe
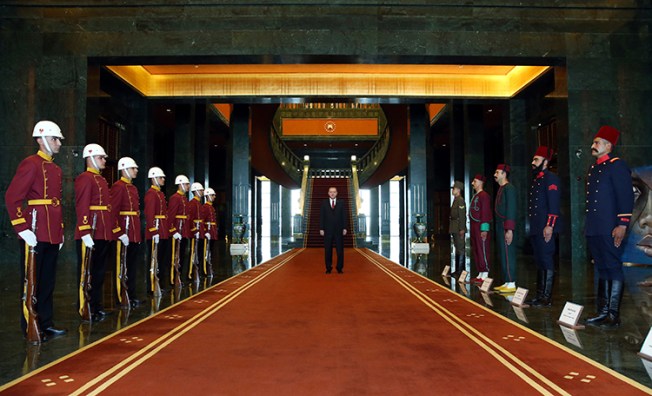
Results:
328 271
339 271
54 332
103 313
135 302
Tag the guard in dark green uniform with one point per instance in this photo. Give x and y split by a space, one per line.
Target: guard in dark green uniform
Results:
505 208
457 227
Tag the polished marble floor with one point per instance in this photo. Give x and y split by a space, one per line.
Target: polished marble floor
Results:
616 349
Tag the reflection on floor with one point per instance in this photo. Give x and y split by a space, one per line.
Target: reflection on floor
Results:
616 348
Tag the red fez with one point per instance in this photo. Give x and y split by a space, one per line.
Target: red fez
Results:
504 167
544 152
480 177
608 133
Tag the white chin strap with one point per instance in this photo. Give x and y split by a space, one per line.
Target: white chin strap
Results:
155 181
127 174
94 163
183 189
47 145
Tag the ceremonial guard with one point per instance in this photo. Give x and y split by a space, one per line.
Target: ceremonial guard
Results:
543 214
505 208
125 204
96 225
457 227
210 223
36 190
609 204
178 223
196 227
480 216
157 230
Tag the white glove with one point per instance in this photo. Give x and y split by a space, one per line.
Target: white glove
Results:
176 236
88 241
208 235
63 239
29 237
156 238
124 239
197 235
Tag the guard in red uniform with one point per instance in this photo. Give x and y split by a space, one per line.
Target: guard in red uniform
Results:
157 230
210 223
609 206
480 216
36 188
178 222
96 224
196 223
125 205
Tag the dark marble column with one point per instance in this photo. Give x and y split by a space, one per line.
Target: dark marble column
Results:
417 171
286 212
274 208
515 133
241 196
374 213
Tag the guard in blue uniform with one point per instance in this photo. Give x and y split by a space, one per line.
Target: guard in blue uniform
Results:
609 204
543 215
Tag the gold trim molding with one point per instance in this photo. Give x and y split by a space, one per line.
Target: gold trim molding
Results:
430 81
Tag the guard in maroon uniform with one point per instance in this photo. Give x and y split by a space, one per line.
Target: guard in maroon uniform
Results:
196 224
210 224
96 224
125 204
178 222
36 188
480 216
157 230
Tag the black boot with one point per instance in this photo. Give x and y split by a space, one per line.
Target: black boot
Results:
613 317
537 298
461 264
602 300
546 298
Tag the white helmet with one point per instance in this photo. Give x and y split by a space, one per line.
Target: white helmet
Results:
46 128
209 191
181 179
126 162
155 172
196 187
93 149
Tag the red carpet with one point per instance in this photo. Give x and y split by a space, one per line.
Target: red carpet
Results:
285 327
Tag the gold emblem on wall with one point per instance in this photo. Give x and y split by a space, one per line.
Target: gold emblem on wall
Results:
329 126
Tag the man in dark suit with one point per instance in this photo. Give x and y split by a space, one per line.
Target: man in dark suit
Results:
332 226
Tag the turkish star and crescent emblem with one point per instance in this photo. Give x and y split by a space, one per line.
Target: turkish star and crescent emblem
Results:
329 126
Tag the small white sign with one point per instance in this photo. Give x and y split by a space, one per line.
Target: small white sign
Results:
571 315
519 296
238 249
646 348
462 277
571 336
446 271
486 285
420 248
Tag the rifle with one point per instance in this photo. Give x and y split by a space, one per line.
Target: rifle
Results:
208 258
194 267
121 282
85 280
174 273
29 293
153 268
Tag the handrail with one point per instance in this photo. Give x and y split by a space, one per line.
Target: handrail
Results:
368 163
290 162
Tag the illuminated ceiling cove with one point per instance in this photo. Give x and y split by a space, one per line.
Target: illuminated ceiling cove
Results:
327 80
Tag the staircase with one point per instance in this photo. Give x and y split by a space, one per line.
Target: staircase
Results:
318 192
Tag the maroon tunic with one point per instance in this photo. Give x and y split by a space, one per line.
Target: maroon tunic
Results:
195 218
37 183
125 203
92 200
210 219
156 208
177 213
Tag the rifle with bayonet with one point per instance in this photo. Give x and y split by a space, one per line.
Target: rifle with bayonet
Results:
194 267
208 256
153 267
123 294
29 293
176 267
85 279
